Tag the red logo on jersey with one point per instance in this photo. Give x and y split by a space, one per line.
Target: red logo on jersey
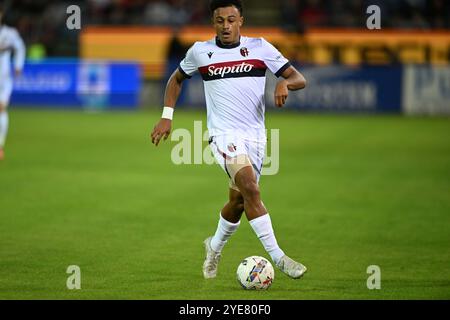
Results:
233 69
244 52
223 71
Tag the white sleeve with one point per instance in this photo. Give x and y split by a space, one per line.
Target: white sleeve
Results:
273 59
19 50
188 65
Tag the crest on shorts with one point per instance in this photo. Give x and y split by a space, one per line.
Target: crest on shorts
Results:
244 52
232 147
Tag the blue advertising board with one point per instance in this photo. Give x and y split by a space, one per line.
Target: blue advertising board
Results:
329 88
426 90
73 83
343 88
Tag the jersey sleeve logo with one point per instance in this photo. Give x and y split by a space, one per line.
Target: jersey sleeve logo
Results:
233 69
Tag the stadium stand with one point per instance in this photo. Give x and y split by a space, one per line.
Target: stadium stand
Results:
41 21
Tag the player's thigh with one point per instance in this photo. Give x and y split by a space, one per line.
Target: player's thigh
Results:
6 86
230 153
256 151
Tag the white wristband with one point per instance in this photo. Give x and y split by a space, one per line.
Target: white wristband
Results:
167 113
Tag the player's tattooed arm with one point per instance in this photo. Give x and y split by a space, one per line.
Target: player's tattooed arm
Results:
173 89
293 80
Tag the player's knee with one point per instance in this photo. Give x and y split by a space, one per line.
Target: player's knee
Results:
237 202
250 190
238 206
2 107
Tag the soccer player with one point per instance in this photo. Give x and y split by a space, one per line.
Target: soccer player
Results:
233 68
10 42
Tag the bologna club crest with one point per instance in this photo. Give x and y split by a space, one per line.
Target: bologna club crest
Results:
244 52
232 147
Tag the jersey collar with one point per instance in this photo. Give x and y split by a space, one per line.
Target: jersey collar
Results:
227 46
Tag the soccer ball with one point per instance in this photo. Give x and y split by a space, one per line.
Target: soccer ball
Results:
255 273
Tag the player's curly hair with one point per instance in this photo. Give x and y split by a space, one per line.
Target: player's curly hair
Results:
214 4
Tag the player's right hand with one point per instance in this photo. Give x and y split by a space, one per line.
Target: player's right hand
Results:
161 130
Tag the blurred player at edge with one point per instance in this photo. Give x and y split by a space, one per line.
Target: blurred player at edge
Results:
233 68
10 41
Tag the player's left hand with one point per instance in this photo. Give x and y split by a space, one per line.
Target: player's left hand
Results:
18 73
281 93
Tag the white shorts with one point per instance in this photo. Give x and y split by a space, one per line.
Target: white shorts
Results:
6 87
230 146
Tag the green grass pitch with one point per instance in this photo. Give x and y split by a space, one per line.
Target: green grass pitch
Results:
352 191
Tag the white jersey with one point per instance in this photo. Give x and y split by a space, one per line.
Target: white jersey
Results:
234 78
10 42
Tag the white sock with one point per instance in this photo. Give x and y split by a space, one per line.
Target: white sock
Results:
264 231
3 128
225 230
